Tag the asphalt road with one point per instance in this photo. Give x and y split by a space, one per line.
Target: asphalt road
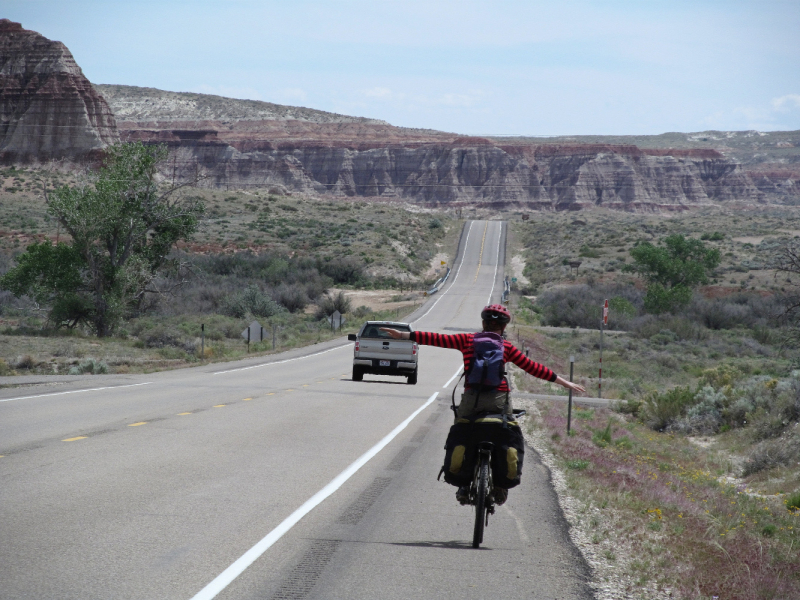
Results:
274 478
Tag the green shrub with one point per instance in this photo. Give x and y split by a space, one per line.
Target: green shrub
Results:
624 442
588 252
292 297
680 327
602 437
793 502
722 375
251 301
659 411
628 407
171 353
582 306
6 370
577 465
660 299
705 416
90 366
362 312
773 453
330 303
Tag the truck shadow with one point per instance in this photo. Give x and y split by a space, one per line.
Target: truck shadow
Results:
381 381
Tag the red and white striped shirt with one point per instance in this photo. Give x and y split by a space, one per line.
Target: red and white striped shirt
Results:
466 343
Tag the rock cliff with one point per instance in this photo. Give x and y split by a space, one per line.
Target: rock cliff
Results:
771 159
250 144
48 109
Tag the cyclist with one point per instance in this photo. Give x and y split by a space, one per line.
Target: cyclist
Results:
475 400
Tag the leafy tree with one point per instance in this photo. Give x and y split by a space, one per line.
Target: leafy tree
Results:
122 225
672 270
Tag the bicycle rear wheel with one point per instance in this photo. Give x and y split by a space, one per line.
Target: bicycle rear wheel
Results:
480 500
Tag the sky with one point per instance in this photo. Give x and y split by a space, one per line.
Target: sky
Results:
529 67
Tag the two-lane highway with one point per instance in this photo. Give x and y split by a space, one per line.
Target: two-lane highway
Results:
270 478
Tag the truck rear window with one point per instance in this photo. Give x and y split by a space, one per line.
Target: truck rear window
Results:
374 331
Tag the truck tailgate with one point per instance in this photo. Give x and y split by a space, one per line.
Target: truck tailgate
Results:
386 349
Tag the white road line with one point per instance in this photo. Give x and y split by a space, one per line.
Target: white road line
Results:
496 263
249 557
112 387
458 271
449 381
280 362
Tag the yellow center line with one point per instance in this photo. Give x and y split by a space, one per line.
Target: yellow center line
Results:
246 399
181 414
270 393
320 382
480 258
290 390
137 424
75 439
305 385
218 405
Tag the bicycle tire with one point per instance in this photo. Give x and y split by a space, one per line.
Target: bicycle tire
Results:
480 501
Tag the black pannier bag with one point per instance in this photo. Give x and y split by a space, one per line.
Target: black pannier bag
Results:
461 451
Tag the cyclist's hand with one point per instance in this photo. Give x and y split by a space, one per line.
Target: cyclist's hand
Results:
570 385
396 334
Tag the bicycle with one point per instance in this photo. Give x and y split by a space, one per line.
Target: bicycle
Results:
480 492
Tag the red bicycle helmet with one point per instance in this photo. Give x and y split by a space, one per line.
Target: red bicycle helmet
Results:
496 313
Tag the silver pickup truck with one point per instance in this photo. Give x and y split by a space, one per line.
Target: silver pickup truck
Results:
378 353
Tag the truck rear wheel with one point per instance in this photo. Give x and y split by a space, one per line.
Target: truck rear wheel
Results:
358 374
412 379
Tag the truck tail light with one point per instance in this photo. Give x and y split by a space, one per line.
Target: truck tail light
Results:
357 346
413 348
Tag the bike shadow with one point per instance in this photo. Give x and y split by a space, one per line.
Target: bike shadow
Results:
452 545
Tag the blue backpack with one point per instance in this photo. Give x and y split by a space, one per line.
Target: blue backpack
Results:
487 370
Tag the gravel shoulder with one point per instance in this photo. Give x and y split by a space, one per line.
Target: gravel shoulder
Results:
609 557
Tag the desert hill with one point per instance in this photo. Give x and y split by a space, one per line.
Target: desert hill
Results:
48 110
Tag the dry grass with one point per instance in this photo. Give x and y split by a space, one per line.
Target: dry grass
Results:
159 343
601 240
686 527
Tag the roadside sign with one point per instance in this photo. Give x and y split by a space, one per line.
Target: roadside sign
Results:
336 319
605 313
444 262
254 332
513 280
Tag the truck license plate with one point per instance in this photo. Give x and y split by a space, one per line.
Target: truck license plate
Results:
385 363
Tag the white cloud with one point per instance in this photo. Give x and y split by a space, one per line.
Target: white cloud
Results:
781 113
786 103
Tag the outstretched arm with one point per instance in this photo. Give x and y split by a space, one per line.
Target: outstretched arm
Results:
526 364
396 333
458 341
569 385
